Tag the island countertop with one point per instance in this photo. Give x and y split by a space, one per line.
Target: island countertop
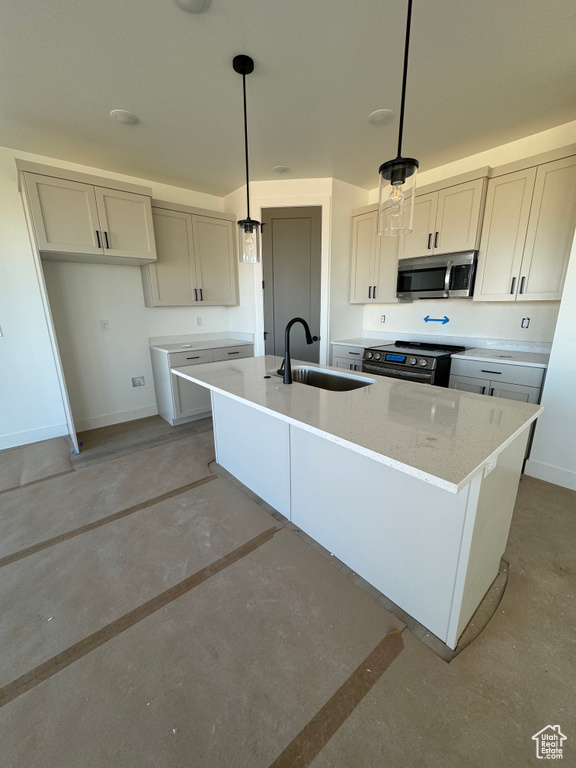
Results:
441 436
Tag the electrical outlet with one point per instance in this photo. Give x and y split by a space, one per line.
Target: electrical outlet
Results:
139 381
198 321
104 325
382 318
525 322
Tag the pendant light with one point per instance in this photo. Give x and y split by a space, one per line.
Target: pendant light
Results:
249 229
397 178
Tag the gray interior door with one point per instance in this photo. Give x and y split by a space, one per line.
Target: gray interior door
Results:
291 241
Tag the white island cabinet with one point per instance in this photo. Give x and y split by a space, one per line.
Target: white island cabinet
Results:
438 472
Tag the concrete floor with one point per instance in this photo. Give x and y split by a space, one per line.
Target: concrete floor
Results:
152 614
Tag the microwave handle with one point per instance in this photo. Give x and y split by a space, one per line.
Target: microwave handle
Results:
447 277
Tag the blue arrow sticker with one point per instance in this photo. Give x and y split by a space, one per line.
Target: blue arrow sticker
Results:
442 320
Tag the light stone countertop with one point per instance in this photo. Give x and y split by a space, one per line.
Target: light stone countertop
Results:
441 436
204 344
508 356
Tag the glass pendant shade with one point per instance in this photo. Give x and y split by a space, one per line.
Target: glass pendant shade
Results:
249 241
396 192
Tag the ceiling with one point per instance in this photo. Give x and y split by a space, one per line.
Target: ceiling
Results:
481 74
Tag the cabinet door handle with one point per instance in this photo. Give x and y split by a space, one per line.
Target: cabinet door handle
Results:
234 353
106 238
351 368
436 236
98 239
483 391
193 358
429 240
499 373
522 284
513 285
373 291
492 392
201 297
369 291
195 294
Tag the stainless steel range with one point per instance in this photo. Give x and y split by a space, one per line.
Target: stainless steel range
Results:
411 361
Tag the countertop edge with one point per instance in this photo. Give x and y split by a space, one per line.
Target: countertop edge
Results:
481 358
214 344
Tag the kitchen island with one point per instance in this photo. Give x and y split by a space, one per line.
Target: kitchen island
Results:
410 485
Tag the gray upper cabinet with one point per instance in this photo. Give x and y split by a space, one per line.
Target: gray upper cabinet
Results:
77 221
527 234
196 260
446 221
374 262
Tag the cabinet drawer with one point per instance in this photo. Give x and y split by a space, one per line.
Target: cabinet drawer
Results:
342 350
511 374
230 353
190 357
348 363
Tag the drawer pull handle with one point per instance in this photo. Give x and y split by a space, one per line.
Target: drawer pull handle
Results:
234 353
193 358
499 373
353 353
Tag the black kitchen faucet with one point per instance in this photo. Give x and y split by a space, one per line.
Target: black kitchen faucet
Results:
285 369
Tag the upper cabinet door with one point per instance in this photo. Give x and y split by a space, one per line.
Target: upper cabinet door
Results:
387 270
420 242
168 281
64 215
364 251
215 254
126 224
550 232
458 217
504 235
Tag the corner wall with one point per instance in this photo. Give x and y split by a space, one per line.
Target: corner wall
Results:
553 453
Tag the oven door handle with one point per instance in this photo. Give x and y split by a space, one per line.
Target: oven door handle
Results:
447 277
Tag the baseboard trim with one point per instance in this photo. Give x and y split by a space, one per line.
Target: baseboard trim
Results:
551 474
94 422
32 436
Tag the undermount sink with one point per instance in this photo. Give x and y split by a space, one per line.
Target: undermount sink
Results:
335 382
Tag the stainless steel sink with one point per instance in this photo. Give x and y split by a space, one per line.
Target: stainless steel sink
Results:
335 382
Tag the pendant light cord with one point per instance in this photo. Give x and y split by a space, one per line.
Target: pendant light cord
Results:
406 48
246 148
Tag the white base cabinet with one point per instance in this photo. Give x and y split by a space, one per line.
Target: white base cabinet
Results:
178 400
432 552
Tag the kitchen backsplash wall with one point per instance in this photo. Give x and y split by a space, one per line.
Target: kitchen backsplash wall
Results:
465 318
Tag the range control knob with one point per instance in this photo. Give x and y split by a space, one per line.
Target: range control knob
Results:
369 355
412 360
377 356
423 363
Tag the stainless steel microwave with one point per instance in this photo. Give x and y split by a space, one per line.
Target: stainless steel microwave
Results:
450 276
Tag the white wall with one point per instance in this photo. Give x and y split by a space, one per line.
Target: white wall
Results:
276 194
553 454
98 366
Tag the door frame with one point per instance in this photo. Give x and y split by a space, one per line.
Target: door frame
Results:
324 202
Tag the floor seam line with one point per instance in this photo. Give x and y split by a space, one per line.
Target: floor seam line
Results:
35 482
82 648
95 524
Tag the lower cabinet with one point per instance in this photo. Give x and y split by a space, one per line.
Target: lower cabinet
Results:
347 356
512 382
178 400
